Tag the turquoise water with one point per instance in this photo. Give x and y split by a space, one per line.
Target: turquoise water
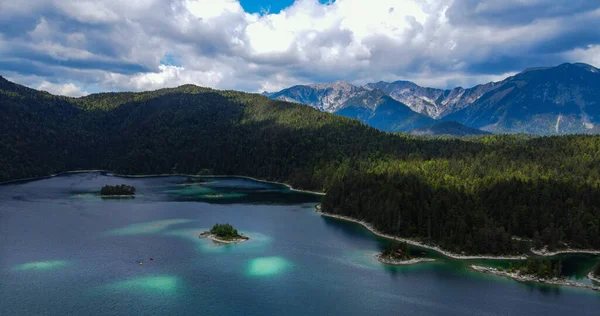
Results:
65 251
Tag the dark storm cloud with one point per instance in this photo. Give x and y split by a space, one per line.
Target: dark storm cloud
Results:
543 31
575 33
500 64
514 12
25 67
104 51
14 27
27 54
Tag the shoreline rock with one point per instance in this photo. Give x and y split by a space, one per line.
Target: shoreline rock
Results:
223 241
402 262
534 279
417 243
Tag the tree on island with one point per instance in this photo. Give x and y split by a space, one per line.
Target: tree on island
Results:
225 231
122 189
540 268
397 250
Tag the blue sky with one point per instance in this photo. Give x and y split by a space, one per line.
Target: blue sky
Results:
273 6
75 47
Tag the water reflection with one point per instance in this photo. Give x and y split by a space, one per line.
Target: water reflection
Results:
41 265
162 284
236 190
148 227
267 266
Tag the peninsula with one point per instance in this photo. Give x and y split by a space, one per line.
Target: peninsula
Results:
398 253
594 275
224 233
122 190
525 276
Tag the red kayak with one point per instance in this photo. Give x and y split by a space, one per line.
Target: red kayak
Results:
151 258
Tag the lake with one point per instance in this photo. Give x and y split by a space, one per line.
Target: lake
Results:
65 251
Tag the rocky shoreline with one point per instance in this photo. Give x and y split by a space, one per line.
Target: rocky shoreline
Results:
215 176
215 238
213 196
115 196
159 175
222 176
532 278
382 259
414 242
545 253
193 183
593 277
266 181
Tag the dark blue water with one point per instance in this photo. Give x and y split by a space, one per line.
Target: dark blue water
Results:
65 251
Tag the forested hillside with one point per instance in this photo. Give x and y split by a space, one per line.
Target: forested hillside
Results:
468 196
533 189
447 128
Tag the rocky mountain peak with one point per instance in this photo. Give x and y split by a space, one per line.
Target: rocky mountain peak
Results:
340 85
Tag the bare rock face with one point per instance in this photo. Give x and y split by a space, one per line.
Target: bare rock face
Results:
329 97
372 106
435 103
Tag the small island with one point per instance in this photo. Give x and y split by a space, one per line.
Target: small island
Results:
538 271
213 195
398 253
122 190
224 233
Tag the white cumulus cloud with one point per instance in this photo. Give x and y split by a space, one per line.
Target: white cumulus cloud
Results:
67 89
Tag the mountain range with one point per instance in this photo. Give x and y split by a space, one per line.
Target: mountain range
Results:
547 100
